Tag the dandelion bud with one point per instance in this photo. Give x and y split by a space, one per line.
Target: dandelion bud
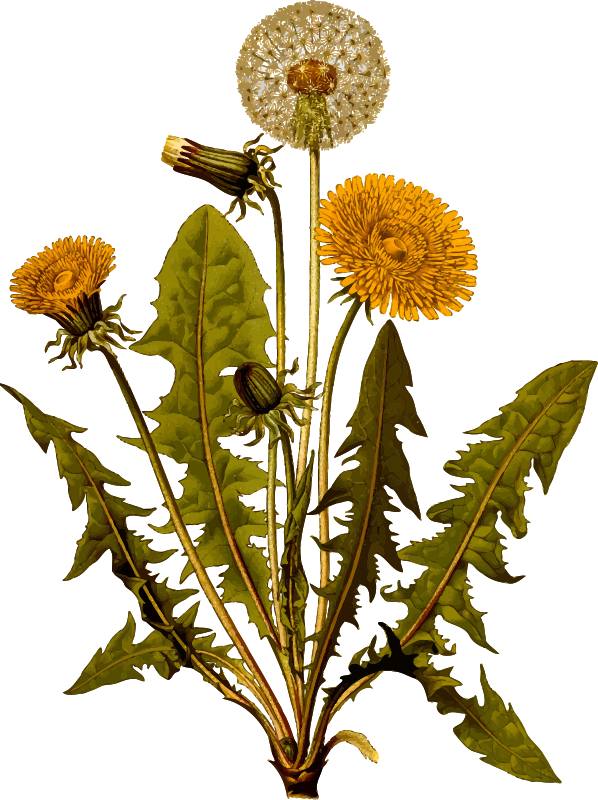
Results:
236 174
257 388
227 170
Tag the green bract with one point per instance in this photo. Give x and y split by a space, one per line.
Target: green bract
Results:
265 398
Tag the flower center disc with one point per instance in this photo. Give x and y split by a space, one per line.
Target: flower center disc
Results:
395 248
64 280
312 75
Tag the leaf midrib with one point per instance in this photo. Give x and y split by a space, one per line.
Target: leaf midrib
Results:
127 657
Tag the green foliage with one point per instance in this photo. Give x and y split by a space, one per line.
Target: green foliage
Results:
122 659
384 403
231 325
211 318
85 477
533 430
496 732
107 529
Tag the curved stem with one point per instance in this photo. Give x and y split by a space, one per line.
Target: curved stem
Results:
280 281
314 302
280 721
294 690
272 450
210 676
318 667
323 458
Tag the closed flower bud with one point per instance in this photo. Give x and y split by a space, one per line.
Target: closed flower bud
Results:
265 402
234 173
227 170
257 388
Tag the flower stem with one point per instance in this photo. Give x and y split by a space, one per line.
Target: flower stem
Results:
280 281
294 688
337 347
314 301
323 457
272 450
285 443
272 543
278 716
290 479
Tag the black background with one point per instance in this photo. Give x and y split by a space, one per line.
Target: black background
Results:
87 161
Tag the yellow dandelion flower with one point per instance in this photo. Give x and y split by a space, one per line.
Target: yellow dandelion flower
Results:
63 282
313 74
397 246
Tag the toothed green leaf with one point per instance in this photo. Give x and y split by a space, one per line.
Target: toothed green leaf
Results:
106 527
533 430
232 325
496 732
122 660
384 403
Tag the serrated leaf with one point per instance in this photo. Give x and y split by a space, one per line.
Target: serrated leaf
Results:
86 476
384 403
106 528
532 430
232 327
157 600
213 658
122 660
496 732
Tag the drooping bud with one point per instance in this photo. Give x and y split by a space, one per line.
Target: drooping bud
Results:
257 388
227 170
234 173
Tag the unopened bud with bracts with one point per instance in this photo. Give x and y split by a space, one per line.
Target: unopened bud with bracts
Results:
234 173
265 398
257 388
224 169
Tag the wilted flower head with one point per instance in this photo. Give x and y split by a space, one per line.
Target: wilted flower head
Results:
397 246
63 282
313 74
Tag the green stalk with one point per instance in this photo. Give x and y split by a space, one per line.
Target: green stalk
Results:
323 458
282 657
272 543
285 443
324 518
272 450
278 716
295 656
314 301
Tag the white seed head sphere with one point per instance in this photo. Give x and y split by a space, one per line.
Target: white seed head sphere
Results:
313 30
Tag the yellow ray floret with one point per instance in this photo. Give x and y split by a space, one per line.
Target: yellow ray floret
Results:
397 246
